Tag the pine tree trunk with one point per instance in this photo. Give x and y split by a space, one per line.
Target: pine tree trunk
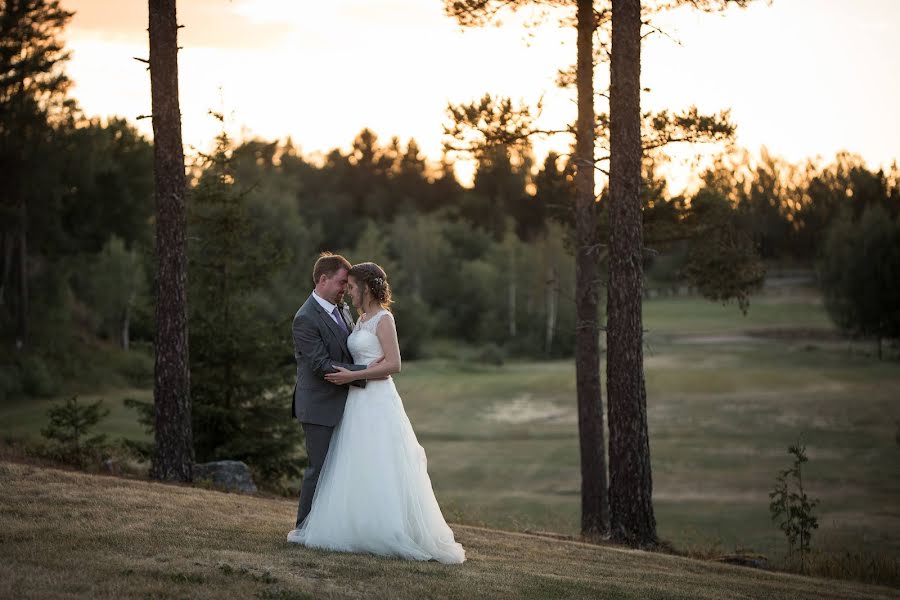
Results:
174 454
512 292
552 298
594 507
8 246
22 313
630 484
126 326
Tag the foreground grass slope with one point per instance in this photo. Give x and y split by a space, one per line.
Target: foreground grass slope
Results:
66 534
727 394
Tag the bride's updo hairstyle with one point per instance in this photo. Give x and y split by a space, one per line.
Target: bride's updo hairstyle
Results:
375 279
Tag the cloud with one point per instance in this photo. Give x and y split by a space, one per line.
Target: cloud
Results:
208 23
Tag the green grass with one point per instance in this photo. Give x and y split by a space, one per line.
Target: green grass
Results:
684 315
726 396
715 451
25 417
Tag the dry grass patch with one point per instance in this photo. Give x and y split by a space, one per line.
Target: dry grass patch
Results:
65 534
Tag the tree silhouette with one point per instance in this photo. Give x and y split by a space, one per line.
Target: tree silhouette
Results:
33 101
860 275
174 455
630 482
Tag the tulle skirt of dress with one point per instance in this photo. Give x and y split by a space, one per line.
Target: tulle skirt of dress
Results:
374 494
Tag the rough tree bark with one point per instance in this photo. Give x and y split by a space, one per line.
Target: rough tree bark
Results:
630 486
174 455
594 503
22 315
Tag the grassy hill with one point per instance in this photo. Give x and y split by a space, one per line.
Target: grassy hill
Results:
727 394
66 534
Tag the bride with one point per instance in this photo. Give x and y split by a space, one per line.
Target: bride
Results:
374 494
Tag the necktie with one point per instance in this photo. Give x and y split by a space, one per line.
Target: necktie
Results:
340 319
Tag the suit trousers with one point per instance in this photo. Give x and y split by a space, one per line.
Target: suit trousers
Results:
318 438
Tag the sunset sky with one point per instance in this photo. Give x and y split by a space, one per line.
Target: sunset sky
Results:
802 77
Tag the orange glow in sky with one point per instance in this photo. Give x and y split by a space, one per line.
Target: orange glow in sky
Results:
802 77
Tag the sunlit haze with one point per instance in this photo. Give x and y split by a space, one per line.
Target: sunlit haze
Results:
802 77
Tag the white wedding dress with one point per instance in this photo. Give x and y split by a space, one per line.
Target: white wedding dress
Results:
374 494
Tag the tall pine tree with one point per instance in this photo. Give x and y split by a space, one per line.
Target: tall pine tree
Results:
630 482
174 454
33 102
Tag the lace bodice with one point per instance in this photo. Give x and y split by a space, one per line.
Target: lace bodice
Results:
363 343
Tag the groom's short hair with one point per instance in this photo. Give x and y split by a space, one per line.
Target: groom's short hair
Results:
329 264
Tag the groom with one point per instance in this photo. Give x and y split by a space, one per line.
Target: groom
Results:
320 329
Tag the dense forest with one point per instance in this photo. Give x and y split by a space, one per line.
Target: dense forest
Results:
486 265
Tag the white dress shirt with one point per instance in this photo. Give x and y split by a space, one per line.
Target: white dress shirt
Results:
328 306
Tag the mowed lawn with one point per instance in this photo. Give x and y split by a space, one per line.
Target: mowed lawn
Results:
727 394
503 450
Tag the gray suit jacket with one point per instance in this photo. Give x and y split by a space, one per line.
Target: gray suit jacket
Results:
320 343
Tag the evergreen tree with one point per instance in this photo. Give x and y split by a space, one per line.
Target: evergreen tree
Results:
108 186
240 363
171 391
632 518
33 103
69 426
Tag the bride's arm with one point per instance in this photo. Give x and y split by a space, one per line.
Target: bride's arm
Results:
387 335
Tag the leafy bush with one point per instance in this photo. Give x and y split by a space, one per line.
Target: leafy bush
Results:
10 382
860 275
38 378
137 367
414 325
491 354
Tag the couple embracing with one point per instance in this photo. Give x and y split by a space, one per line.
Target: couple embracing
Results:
366 488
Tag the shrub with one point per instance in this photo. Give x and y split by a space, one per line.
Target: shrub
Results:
792 509
37 378
10 382
491 354
69 427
